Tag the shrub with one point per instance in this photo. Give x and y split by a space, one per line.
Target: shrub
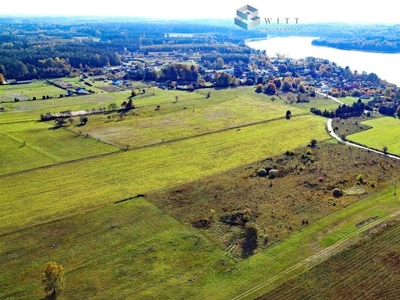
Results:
259 88
272 173
262 172
360 178
313 143
251 231
337 193
289 153
53 279
201 223
251 239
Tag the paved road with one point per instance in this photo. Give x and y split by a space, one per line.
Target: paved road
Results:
330 97
334 135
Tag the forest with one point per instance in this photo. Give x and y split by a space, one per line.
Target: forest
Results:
34 48
51 48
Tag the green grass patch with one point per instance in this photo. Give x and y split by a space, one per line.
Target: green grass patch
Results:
183 119
34 145
31 110
349 100
95 182
22 92
132 250
384 133
368 269
137 251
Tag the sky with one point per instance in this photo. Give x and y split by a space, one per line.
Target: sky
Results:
308 11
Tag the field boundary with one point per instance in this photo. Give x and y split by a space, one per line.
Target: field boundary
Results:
313 260
121 149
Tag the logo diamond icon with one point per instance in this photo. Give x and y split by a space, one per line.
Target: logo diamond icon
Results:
247 17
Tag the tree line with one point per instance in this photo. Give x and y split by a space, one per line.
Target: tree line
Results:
22 61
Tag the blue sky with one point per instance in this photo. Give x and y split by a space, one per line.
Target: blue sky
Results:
350 11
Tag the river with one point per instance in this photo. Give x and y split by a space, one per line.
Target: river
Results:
386 66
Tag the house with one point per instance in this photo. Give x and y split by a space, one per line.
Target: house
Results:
116 82
80 91
325 88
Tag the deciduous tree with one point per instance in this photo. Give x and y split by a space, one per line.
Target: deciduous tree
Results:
270 89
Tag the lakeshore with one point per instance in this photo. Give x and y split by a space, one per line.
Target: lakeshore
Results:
383 64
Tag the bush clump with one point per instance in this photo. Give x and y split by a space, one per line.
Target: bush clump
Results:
272 173
262 172
201 223
337 193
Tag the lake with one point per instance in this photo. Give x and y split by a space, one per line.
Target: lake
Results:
386 66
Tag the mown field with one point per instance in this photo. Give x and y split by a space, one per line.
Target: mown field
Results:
31 110
186 118
31 145
95 182
119 229
384 133
23 92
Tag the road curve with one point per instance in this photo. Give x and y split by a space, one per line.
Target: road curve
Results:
339 245
334 135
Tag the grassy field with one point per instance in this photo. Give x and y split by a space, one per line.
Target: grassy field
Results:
125 251
31 145
95 182
28 91
318 101
31 110
137 251
185 118
384 133
323 103
99 216
366 271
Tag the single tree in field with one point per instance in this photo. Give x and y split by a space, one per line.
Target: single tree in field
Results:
53 279
83 120
313 143
60 122
2 80
385 149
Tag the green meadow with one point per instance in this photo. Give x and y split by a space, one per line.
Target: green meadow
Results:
69 188
186 118
69 195
27 91
133 250
31 145
384 133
